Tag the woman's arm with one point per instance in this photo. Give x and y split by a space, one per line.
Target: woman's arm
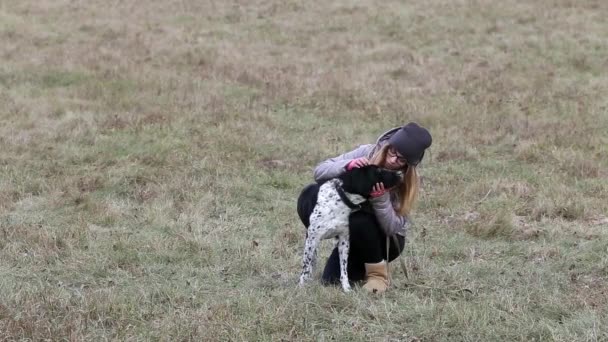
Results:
333 167
391 222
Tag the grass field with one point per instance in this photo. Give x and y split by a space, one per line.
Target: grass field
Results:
152 152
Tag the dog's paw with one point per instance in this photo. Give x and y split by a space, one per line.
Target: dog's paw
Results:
346 288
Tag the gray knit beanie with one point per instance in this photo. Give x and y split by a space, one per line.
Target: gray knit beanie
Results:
410 141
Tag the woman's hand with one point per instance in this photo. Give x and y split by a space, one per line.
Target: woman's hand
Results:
357 163
378 190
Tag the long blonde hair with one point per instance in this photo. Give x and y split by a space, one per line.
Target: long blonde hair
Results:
408 191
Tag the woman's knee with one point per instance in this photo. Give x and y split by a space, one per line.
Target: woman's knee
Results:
366 237
396 246
364 226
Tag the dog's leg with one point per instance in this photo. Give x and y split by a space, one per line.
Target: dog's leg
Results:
343 248
313 260
310 253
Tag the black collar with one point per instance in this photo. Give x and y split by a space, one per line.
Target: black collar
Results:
345 199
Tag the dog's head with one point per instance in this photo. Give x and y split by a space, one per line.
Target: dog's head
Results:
361 180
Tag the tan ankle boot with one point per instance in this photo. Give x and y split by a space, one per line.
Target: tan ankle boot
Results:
377 277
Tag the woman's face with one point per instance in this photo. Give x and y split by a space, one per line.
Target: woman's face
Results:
394 160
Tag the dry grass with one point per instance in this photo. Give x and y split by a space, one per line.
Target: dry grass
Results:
152 154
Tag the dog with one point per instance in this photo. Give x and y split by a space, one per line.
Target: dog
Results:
336 200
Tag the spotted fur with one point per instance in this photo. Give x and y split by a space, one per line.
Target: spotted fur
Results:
329 219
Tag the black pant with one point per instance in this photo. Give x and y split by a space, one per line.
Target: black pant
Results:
367 239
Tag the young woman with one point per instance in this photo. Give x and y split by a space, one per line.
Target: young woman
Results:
401 148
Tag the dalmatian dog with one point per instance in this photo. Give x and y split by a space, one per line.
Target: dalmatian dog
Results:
336 200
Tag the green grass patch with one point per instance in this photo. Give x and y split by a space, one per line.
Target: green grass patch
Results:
150 166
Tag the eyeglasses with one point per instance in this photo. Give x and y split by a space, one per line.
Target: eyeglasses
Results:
393 153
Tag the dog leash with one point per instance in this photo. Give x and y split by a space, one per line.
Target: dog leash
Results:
401 262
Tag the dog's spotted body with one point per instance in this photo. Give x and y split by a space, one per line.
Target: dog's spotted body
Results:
329 218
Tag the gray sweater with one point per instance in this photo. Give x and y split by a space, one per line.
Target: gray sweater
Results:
384 206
